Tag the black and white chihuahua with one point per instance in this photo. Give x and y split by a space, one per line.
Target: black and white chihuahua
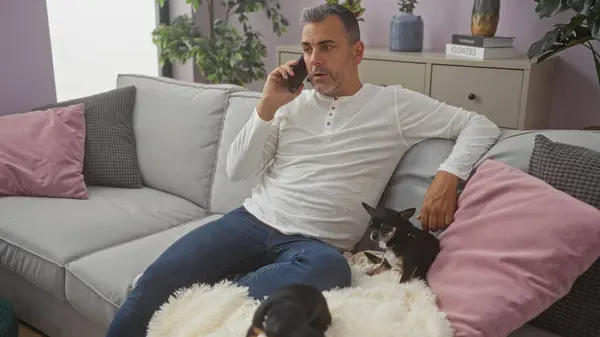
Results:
295 310
405 244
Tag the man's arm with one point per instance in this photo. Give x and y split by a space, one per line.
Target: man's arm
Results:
253 148
421 117
256 144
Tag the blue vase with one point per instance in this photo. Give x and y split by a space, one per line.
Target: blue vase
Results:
406 33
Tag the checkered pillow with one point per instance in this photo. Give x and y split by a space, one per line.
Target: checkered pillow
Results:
110 147
574 170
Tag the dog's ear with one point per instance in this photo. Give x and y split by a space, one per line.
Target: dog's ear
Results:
407 213
368 208
254 332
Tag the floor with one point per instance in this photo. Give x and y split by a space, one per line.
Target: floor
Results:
25 331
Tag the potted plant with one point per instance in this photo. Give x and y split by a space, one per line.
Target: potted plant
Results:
581 30
406 29
224 54
355 6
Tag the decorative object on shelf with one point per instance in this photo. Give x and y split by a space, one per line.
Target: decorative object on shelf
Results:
355 6
582 29
406 29
485 17
224 54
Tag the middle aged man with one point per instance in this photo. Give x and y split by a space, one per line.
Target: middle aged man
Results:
318 153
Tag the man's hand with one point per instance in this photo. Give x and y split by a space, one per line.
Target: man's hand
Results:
440 202
276 92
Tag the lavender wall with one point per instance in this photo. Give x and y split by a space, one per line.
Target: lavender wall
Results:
576 97
26 71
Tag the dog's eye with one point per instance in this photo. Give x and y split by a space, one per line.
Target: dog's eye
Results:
386 228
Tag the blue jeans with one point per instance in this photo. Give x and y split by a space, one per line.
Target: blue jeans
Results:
238 247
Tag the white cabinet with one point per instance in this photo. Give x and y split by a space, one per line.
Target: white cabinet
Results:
513 93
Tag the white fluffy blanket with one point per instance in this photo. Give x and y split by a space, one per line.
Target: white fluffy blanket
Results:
375 306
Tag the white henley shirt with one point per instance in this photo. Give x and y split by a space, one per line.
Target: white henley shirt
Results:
320 156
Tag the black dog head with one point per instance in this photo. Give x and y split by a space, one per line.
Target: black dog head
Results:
295 310
285 319
387 223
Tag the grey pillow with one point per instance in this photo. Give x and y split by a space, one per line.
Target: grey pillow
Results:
110 149
574 170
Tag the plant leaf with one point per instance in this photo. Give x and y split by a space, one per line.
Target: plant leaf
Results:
597 61
547 8
581 6
545 43
229 54
595 27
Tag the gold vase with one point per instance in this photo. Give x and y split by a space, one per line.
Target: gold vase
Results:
485 17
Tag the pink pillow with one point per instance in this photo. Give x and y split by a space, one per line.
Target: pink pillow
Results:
516 246
41 153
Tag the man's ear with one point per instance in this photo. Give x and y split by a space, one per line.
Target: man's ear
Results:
368 208
407 213
359 51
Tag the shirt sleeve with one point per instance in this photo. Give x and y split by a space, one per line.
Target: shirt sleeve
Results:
421 117
253 148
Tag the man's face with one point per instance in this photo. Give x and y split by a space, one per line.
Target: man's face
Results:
330 58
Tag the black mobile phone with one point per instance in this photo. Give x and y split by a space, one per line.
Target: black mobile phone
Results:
300 74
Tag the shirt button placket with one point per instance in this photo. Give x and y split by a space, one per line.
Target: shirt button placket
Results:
329 119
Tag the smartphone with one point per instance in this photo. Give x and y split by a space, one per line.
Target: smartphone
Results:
300 74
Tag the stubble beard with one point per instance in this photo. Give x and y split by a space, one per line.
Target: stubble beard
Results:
328 87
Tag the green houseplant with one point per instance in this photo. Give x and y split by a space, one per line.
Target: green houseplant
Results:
355 6
582 29
224 54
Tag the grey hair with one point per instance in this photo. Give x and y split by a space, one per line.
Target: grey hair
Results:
320 12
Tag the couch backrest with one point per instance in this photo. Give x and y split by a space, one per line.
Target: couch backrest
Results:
416 170
225 194
184 130
177 127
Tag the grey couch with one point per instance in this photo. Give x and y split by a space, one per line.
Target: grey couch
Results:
66 265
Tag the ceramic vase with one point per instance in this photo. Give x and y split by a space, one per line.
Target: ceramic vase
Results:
406 32
485 17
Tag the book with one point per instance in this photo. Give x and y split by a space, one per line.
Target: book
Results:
479 53
483 41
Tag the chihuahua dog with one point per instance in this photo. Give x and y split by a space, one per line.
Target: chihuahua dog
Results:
404 244
295 310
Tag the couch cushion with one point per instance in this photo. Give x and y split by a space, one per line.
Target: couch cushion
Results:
574 170
177 127
531 331
518 244
97 284
514 147
225 194
110 149
38 236
41 153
